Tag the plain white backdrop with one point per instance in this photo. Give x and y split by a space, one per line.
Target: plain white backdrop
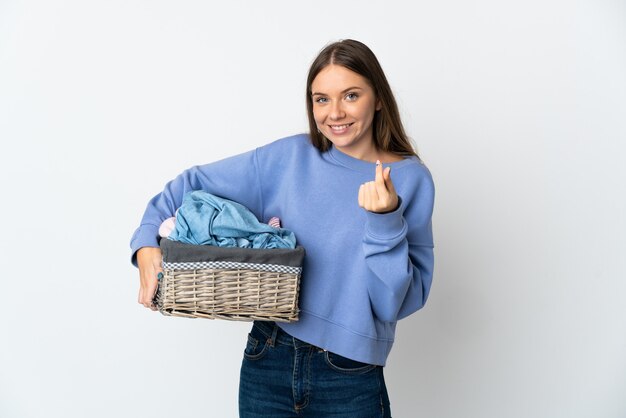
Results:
518 108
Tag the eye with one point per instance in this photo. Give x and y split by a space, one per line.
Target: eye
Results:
320 100
352 96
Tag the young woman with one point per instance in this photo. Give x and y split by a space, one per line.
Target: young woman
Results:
368 241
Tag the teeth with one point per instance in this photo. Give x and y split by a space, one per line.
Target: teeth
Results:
339 127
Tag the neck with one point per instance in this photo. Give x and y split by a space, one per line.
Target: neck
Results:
371 154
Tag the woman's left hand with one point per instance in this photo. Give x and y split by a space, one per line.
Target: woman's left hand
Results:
379 195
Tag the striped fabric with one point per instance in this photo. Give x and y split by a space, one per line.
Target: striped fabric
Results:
275 222
231 265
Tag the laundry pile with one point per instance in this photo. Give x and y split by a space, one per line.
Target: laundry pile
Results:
206 219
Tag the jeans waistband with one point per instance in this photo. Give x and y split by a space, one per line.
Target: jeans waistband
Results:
278 336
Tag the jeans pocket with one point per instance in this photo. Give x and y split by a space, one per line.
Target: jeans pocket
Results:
346 365
257 345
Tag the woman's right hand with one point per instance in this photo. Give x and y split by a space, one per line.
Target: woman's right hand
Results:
149 261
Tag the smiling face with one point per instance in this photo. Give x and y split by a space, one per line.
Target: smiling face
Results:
344 105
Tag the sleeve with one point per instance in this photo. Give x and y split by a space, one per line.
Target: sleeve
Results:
398 249
235 178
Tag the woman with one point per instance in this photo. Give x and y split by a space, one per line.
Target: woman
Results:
368 239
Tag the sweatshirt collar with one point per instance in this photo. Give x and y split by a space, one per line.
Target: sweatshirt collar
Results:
360 165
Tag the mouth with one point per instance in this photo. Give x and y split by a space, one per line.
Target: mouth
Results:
340 128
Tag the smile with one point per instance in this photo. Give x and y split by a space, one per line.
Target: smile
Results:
340 127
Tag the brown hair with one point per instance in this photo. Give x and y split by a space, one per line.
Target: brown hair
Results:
388 132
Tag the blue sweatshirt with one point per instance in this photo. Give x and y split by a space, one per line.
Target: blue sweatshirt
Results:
362 272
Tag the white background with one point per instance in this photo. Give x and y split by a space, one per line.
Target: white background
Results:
518 108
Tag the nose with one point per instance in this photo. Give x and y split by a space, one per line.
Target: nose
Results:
336 111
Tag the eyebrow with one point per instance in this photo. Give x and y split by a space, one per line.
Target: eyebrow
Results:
344 91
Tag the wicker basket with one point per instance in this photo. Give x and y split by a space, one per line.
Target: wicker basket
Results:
240 284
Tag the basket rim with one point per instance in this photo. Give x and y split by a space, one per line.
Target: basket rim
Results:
180 252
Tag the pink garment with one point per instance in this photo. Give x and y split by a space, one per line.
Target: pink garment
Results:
167 226
275 222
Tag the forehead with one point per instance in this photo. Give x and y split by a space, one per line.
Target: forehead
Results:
337 78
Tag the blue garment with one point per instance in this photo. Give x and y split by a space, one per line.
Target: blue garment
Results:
284 377
206 219
363 271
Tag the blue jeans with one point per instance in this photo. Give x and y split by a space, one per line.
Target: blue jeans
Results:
282 376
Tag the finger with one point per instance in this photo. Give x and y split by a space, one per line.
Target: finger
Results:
367 199
152 287
373 194
150 305
147 301
143 273
381 188
149 260
361 195
148 289
379 173
388 182
158 274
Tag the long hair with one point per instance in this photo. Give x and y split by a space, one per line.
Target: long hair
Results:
388 132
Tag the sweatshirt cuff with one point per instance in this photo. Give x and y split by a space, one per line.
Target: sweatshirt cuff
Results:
145 236
388 224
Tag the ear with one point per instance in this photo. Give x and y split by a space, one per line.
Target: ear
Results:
379 105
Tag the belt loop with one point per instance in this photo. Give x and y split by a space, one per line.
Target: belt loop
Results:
274 334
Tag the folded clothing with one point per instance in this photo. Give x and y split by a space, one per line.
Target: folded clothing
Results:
206 219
